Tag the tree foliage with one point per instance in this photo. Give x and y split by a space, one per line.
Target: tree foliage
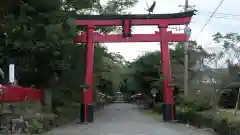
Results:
145 70
39 39
230 46
230 52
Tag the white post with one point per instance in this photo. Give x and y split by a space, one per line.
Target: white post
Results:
11 73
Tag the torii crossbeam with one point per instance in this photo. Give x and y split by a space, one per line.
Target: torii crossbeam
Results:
127 21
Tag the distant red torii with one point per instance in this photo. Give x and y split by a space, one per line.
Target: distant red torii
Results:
127 21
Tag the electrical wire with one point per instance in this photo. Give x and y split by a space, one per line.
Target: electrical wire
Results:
207 22
207 12
228 17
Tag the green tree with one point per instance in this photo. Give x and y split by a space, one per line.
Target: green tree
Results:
146 69
229 43
40 37
230 52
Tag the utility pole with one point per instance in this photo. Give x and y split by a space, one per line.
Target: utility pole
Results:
187 31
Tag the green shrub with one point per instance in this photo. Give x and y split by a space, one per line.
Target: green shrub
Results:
222 127
194 105
159 107
35 126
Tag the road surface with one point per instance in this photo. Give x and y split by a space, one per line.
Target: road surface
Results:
124 119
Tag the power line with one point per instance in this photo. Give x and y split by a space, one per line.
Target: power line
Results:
228 14
219 15
227 18
223 16
207 22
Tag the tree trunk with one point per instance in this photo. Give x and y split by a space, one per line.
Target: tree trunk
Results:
237 102
47 100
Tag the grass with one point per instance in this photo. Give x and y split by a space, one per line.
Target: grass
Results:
224 114
154 115
229 114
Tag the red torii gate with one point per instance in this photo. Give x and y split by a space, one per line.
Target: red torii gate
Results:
126 21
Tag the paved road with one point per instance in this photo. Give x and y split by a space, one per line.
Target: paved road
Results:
124 119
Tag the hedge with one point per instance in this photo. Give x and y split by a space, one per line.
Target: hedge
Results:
195 116
222 127
186 104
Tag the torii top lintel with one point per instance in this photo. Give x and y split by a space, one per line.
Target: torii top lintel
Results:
136 19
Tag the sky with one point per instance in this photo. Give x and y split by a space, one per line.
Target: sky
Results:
226 19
